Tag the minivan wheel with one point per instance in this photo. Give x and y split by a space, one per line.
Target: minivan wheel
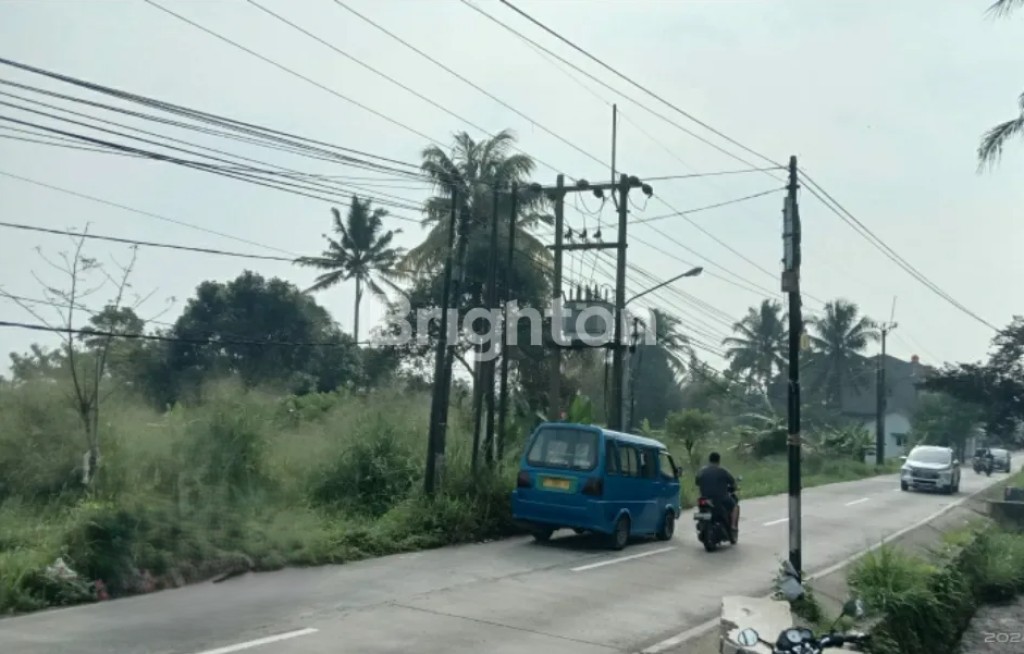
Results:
620 537
543 535
668 526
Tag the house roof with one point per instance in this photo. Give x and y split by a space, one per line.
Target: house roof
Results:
901 380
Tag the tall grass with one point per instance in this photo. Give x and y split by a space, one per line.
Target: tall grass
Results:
925 607
244 479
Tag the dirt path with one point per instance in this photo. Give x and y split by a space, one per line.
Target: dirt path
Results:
996 630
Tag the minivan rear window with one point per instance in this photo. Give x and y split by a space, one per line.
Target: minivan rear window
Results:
575 449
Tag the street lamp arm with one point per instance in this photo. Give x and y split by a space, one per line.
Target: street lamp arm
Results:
689 273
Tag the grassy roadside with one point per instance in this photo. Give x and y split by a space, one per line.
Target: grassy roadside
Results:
249 481
926 602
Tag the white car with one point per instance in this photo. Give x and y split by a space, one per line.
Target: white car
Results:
931 467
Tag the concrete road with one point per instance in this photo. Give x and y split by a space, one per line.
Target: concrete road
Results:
511 597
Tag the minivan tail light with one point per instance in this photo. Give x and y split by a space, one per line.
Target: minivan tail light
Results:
524 481
594 486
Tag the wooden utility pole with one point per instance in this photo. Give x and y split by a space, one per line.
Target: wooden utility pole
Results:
881 399
791 286
435 437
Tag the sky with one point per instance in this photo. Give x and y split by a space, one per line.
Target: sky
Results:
882 103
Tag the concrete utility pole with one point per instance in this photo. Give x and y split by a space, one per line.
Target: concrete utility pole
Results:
624 184
791 286
882 398
505 327
555 388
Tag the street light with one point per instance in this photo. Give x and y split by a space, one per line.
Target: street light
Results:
693 272
631 382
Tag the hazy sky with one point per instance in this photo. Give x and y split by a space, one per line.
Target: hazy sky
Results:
882 102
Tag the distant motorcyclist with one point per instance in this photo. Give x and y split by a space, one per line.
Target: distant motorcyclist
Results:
717 484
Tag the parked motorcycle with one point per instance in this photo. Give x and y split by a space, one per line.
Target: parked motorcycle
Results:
714 526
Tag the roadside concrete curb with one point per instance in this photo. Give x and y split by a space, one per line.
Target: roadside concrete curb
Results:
704 638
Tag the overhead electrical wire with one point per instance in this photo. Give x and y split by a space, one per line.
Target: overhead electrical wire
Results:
419 95
832 205
388 200
838 208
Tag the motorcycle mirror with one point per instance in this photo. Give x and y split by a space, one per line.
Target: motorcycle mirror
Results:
748 637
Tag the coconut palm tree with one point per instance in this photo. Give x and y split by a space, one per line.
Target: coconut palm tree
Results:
671 340
839 338
363 253
991 146
759 347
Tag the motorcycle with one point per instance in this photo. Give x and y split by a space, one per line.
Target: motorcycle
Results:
982 464
714 526
799 640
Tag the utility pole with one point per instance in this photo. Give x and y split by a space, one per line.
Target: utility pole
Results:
791 285
492 299
620 305
882 399
555 388
437 411
623 187
506 327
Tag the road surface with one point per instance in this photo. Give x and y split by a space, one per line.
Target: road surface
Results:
569 596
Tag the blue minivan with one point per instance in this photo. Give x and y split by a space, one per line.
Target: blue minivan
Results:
590 479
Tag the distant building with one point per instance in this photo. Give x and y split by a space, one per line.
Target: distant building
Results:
901 380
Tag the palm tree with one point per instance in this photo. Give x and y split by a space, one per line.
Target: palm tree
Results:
840 337
991 146
363 253
671 341
473 170
759 348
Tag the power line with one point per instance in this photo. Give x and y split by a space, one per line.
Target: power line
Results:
289 187
84 331
469 82
613 89
388 200
153 244
416 93
709 174
141 212
210 118
835 207
293 72
640 221
637 85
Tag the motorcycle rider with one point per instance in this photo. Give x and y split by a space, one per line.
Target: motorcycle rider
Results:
716 483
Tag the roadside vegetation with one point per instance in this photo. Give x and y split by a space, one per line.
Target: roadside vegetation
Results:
252 432
924 603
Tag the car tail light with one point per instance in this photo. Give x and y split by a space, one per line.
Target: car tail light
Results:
703 502
594 486
524 481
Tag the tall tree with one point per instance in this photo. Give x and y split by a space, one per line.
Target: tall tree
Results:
759 348
473 170
362 252
670 339
264 331
991 146
840 337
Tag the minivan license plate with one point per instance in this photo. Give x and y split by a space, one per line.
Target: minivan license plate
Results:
558 484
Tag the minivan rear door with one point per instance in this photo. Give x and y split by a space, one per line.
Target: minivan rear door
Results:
559 461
